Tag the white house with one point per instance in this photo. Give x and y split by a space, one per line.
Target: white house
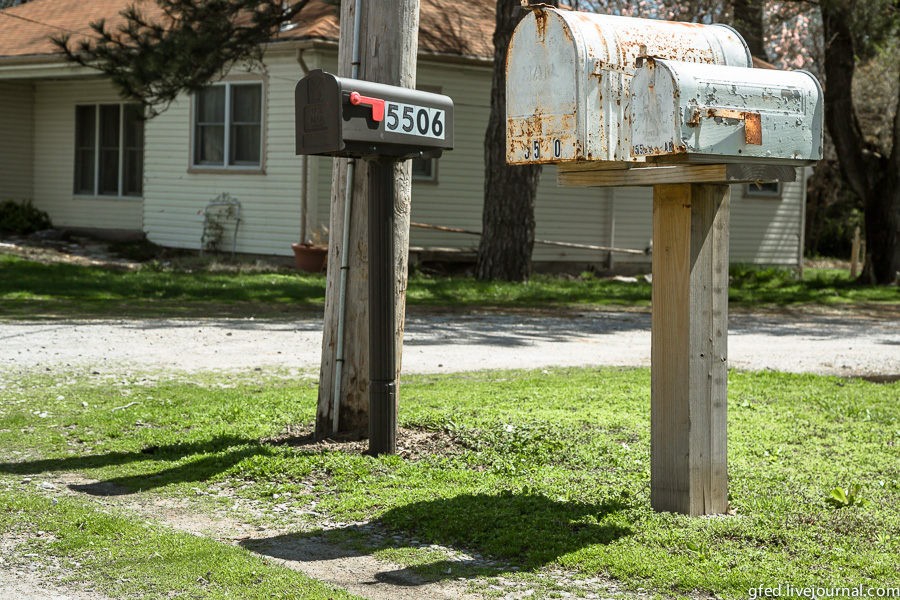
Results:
70 144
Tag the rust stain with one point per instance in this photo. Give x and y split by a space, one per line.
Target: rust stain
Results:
567 34
753 129
540 20
528 128
725 113
569 123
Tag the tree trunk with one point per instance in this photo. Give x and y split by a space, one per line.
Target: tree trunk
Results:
873 176
509 191
388 44
882 220
748 20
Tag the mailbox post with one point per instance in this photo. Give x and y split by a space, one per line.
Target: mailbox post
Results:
616 102
381 124
382 315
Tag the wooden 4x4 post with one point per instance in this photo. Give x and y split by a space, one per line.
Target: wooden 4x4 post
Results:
689 349
689 322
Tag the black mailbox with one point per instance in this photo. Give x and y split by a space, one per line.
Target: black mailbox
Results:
336 116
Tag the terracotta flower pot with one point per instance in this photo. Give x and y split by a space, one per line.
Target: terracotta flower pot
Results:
309 258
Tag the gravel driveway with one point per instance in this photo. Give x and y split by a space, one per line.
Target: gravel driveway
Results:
834 345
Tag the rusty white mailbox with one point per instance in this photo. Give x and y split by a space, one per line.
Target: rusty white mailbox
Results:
568 76
719 114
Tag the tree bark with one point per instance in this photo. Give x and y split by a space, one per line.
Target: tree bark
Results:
509 191
388 43
872 175
748 20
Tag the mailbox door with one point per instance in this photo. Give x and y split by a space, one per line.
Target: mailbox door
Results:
544 91
317 114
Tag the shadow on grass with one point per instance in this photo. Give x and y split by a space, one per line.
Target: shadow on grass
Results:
213 462
529 530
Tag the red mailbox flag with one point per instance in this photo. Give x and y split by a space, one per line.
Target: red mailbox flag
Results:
377 105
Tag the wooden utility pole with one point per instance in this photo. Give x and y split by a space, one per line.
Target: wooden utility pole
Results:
388 45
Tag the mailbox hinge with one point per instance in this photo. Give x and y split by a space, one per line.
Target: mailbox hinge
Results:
752 121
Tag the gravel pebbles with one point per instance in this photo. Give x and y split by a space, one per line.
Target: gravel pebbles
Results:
823 344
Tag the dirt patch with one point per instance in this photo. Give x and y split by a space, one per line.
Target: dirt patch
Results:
65 249
33 576
412 444
879 378
357 572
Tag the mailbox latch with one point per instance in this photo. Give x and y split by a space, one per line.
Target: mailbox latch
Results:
752 121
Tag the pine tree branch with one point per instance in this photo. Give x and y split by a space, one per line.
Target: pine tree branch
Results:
195 42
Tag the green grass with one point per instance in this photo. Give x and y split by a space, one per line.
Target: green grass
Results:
34 290
30 289
753 286
551 469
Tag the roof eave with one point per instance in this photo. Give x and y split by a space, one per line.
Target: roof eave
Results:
36 66
42 66
328 44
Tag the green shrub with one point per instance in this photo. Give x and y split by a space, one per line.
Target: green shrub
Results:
16 217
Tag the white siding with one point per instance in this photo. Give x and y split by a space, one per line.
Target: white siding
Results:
174 197
457 197
574 215
634 222
767 230
16 141
763 230
54 159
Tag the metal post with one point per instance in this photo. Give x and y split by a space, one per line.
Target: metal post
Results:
382 311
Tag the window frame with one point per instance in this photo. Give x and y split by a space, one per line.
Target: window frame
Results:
751 191
97 147
227 167
433 177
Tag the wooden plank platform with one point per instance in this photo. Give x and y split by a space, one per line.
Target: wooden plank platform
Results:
647 174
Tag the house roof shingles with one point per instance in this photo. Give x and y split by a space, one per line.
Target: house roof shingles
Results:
445 28
461 29
25 30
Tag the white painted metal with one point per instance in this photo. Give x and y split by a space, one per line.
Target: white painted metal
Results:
568 77
714 113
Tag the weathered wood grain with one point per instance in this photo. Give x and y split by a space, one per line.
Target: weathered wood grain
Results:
689 349
389 39
578 175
